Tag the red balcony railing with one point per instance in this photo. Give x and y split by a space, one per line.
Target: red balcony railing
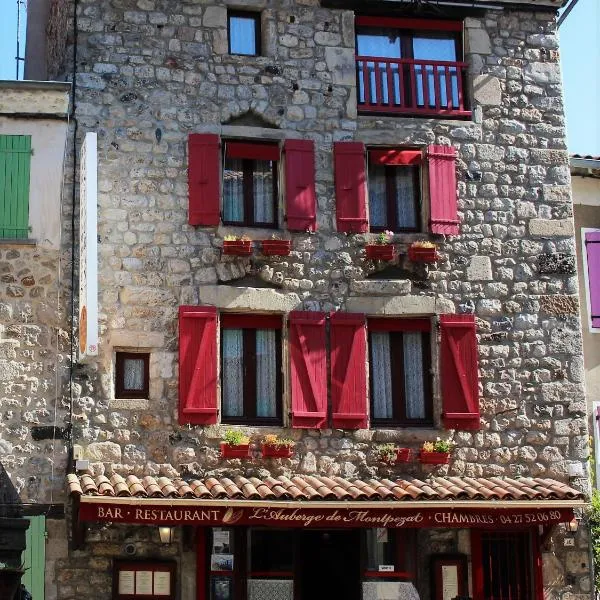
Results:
404 85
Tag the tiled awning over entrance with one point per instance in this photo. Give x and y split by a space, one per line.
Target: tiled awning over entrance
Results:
305 488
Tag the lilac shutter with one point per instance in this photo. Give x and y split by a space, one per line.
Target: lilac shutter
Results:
592 248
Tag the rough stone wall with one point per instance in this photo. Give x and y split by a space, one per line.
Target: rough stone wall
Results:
154 66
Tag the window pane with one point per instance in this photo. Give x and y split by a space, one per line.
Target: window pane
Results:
413 375
266 372
380 548
377 196
262 182
233 191
406 205
381 375
133 375
242 35
269 550
429 48
232 372
384 43
435 49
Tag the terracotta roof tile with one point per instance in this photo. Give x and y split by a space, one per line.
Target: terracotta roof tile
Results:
312 487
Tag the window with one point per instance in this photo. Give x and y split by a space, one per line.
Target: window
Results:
399 356
15 158
506 566
591 259
250 184
389 547
250 369
132 375
409 66
244 33
394 184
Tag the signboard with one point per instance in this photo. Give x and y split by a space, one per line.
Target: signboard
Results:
354 516
88 249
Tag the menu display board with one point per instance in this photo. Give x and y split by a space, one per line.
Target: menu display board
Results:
144 580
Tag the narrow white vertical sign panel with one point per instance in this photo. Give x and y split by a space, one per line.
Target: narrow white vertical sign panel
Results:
88 249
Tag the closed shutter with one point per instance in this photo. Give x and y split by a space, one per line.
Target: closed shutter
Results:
350 187
442 189
198 365
348 371
204 179
301 199
34 557
15 163
459 372
308 369
592 249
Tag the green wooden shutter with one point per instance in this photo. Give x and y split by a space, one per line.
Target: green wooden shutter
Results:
15 159
34 557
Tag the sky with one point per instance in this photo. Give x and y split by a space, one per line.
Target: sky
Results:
580 60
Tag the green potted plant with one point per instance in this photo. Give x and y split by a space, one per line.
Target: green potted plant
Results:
423 251
436 453
276 246
238 246
392 454
274 446
382 249
235 444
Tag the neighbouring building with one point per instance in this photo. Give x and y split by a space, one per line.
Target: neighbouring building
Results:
348 225
585 177
34 332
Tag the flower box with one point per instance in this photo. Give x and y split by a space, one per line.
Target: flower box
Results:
381 251
403 455
418 254
276 247
434 458
237 247
239 451
276 451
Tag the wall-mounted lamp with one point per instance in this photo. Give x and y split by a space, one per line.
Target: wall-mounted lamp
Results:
573 525
166 534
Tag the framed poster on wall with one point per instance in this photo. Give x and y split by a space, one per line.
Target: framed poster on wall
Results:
144 580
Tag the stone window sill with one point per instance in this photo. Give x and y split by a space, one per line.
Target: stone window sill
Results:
17 242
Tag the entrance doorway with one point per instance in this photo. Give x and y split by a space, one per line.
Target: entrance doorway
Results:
328 565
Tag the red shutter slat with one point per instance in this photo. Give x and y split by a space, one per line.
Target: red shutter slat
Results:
198 365
301 198
442 189
395 157
592 248
459 372
350 187
348 371
308 369
203 179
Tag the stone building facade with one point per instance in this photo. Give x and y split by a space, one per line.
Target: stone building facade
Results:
159 84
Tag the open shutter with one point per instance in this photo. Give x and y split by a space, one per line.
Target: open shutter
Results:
592 249
34 557
198 365
459 372
301 198
442 189
348 371
203 179
350 187
308 369
15 162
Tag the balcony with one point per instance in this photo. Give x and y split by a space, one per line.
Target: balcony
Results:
404 86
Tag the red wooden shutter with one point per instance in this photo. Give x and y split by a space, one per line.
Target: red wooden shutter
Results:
203 179
198 365
442 189
592 248
350 187
308 369
348 371
301 198
459 372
